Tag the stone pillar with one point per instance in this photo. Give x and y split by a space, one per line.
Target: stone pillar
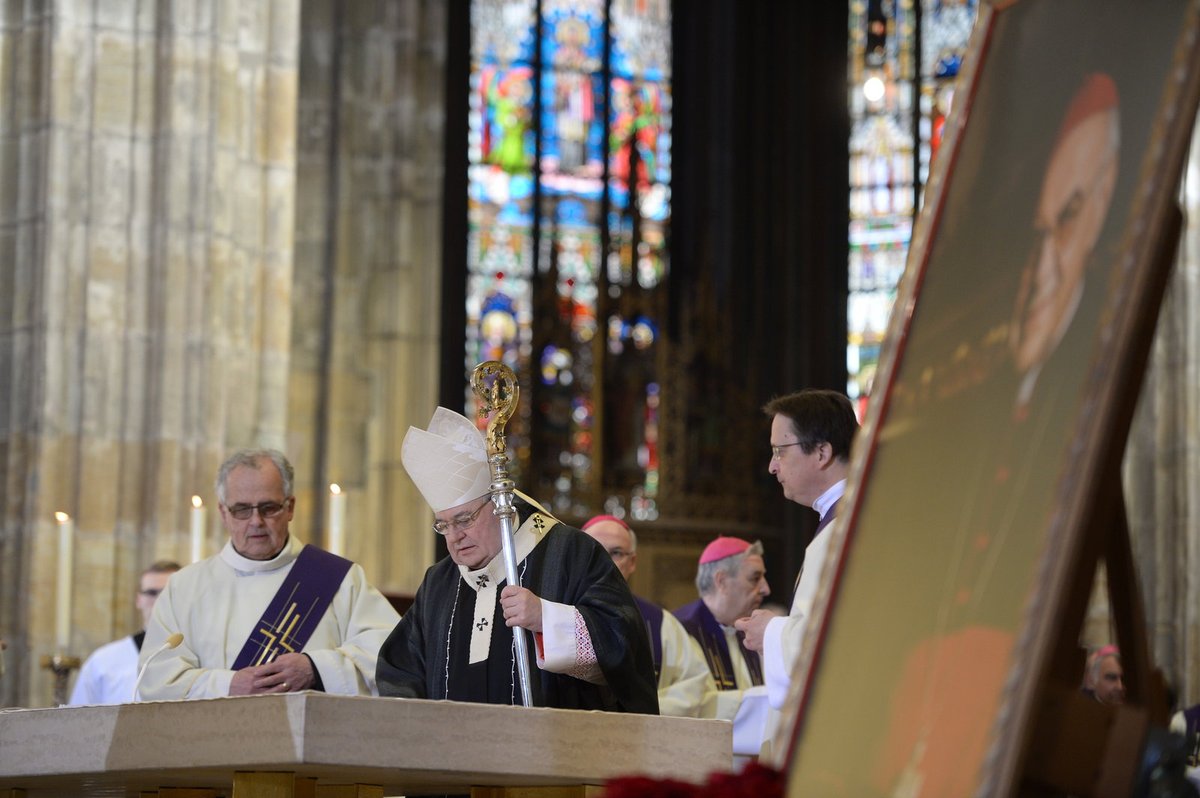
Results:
148 173
365 364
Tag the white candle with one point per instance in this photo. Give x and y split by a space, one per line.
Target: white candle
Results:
198 523
337 519
62 608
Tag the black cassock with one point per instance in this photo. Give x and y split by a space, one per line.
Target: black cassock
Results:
563 565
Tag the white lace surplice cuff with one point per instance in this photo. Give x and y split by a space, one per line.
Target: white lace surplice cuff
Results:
565 646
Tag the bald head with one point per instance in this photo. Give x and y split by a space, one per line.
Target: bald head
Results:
617 539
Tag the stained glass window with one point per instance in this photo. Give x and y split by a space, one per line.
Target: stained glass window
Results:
569 204
898 107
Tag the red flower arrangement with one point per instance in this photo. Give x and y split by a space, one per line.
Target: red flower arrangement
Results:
755 781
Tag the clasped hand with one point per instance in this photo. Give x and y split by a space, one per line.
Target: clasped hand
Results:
283 674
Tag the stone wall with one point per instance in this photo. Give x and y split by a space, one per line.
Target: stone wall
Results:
218 230
146 228
365 362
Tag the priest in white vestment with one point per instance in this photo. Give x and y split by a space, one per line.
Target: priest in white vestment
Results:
266 614
108 674
811 435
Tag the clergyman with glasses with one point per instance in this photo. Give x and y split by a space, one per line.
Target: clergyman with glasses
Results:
267 614
811 434
590 649
685 684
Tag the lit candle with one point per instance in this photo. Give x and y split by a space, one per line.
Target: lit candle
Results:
198 513
337 519
66 551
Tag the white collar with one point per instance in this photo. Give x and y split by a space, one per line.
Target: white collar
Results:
485 580
286 556
831 495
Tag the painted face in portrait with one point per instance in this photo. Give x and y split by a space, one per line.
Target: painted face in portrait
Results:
257 495
472 532
1077 190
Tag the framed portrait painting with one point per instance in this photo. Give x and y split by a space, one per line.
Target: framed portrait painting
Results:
1011 358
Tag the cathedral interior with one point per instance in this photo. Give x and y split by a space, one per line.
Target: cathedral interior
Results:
299 223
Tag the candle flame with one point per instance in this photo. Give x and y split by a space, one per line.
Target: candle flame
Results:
61 517
197 502
334 489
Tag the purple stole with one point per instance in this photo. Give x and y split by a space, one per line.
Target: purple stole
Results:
828 519
297 608
652 615
701 624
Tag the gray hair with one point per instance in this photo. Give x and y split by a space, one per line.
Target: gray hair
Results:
706 574
1096 661
252 458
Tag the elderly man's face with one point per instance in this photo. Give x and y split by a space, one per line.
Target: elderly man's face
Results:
741 593
1076 193
472 532
617 541
263 533
1109 687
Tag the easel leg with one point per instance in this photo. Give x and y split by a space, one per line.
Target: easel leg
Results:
1078 745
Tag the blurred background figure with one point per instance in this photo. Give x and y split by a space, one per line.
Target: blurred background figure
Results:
1102 679
107 676
684 681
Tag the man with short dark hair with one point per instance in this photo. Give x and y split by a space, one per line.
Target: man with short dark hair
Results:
107 676
811 435
266 614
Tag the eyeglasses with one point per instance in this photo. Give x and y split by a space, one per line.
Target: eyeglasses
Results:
777 449
243 512
151 592
460 522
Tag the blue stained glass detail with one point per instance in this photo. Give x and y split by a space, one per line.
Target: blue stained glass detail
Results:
573 212
573 38
563 142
